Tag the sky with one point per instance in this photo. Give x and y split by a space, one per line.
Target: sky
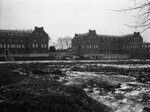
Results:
62 18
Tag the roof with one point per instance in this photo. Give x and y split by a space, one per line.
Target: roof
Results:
107 36
23 33
116 36
17 31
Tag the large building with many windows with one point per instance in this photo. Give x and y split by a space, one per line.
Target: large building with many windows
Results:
97 46
138 50
24 44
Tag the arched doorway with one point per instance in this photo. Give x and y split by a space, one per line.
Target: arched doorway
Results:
7 55
6 52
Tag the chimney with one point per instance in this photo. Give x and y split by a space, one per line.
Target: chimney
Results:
136 33
92 31
76 35
36 27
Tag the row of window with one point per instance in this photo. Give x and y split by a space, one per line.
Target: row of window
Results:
136 46
12 46
12 40
13 34
108 38
39 45
21 45
19 40
97 39
131 46
146 46
92 46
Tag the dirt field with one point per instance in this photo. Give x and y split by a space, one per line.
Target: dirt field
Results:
105 86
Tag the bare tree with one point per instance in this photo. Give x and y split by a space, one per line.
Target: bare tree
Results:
142 8
67 41
60 42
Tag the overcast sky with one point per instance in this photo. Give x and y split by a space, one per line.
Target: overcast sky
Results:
62 18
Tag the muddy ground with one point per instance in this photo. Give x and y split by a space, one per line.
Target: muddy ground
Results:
75 86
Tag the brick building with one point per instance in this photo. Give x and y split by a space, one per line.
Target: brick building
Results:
138 50
21 44
97 46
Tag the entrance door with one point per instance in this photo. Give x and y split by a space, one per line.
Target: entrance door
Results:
6 52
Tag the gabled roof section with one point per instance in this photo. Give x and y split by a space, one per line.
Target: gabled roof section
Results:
93 32
15 33
116 36
39 31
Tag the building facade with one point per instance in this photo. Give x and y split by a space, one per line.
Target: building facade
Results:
21 44
138 50
97 46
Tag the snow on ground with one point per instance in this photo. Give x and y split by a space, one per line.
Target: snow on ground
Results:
131 96
127 98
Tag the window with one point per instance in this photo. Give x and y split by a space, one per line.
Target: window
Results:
41 45
94 46
7 45
0 45
90 46
33 45
23 34
142 46
4 45
12 45
87 46
45 45
36 45
145 46
22 45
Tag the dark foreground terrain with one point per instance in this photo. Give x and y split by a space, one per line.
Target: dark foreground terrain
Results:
74 87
